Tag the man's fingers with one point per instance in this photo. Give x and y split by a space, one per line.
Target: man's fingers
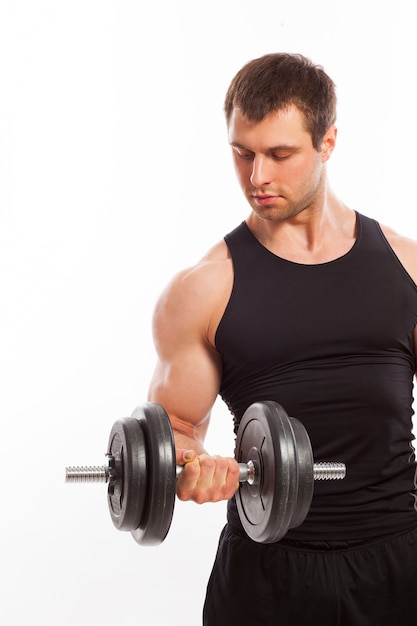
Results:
208 479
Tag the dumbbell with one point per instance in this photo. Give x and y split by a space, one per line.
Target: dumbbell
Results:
276 473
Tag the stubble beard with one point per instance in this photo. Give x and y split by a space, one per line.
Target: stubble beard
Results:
310 198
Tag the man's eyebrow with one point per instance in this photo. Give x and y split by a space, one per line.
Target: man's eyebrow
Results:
283 147
236 144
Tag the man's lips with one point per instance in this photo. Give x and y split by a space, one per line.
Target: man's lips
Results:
264 199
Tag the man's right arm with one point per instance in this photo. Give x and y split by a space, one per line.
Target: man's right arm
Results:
187 378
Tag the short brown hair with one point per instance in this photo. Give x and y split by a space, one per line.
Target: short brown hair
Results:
274 82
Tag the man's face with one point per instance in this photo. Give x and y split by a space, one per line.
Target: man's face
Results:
279 170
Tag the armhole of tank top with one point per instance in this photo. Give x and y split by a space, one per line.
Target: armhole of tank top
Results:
226 239
394 255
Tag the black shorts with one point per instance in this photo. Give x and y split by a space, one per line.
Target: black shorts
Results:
332 584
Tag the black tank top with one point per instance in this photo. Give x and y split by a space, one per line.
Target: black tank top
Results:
333 344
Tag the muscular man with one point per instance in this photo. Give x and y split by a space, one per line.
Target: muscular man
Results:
312 305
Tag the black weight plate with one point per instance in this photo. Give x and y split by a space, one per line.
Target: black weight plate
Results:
305 473
265 436
126 492
161 467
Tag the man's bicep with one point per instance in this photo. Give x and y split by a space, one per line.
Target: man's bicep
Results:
187 388
187 375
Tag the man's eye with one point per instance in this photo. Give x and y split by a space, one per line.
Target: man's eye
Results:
244 155
281 157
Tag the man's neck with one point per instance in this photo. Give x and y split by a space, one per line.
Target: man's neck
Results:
317 235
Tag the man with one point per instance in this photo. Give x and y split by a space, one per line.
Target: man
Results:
314 306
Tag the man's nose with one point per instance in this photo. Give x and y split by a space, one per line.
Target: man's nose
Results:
261 172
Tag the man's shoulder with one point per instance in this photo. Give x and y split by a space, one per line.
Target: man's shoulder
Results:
405 249
204 284
398 239
211 266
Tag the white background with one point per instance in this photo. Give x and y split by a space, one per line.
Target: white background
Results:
114 174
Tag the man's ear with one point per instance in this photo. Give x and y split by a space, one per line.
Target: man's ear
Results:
328 143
